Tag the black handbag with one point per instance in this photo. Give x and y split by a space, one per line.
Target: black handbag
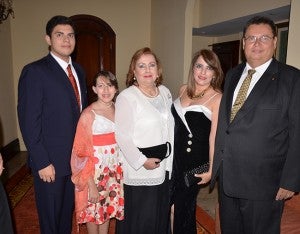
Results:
158 151
189 176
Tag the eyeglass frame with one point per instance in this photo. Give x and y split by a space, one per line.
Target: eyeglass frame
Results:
144 66
201 67
263 39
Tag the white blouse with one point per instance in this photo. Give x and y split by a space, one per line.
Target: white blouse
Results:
102 125
143 122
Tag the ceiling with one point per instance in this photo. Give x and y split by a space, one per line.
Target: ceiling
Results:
236 25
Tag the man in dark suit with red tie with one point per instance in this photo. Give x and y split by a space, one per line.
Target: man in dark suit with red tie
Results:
257 148
49 107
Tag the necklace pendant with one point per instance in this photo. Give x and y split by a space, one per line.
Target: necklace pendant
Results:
201 94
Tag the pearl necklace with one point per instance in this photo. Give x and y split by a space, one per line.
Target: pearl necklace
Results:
147 94
201 94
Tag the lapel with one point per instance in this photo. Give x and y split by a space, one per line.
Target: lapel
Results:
60 75
257 92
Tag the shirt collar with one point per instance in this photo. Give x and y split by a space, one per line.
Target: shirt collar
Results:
260 69
61 62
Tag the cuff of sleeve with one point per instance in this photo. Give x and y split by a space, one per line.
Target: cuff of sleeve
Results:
141 162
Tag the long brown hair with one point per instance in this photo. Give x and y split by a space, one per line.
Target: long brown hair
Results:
213 61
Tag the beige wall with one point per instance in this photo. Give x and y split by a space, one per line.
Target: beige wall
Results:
215 11
294 35
171 35
8 127
208 12
129 19
211 15
165 25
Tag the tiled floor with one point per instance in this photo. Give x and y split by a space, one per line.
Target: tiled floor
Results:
206 200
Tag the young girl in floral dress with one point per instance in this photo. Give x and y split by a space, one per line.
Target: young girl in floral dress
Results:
96 166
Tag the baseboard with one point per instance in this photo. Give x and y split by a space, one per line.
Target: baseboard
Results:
10 150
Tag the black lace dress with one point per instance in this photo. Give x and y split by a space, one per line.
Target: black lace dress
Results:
191 148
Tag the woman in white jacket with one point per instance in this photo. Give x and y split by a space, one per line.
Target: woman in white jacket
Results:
143 119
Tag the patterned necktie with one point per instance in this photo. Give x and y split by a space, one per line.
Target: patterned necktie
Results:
74 85
242 94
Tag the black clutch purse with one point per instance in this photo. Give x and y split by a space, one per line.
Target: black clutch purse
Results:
158 151
189 177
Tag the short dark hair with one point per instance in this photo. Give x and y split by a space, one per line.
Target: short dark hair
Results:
56 20
261 20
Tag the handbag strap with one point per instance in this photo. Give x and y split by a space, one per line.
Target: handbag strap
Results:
169 147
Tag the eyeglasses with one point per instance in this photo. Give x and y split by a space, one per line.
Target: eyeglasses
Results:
144 66
62 36
262 39
199 66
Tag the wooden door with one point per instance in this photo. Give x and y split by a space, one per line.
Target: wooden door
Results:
95 48
228 53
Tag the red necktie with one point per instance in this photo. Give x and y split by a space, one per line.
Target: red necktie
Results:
74 85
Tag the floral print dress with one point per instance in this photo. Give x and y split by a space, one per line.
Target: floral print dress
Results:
108 175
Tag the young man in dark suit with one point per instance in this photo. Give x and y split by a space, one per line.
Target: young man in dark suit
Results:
257 150
49 107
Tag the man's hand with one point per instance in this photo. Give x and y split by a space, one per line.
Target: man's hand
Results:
47 174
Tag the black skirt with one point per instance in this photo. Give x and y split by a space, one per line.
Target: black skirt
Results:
147 209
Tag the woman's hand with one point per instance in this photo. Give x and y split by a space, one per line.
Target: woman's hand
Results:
205 177
93 191
1 164
152 163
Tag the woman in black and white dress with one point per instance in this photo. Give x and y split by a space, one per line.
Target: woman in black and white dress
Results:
196 113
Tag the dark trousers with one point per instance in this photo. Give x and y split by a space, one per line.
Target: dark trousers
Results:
55 205
242 216
5 217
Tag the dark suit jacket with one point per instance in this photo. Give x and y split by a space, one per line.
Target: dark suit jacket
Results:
48 113
260 149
